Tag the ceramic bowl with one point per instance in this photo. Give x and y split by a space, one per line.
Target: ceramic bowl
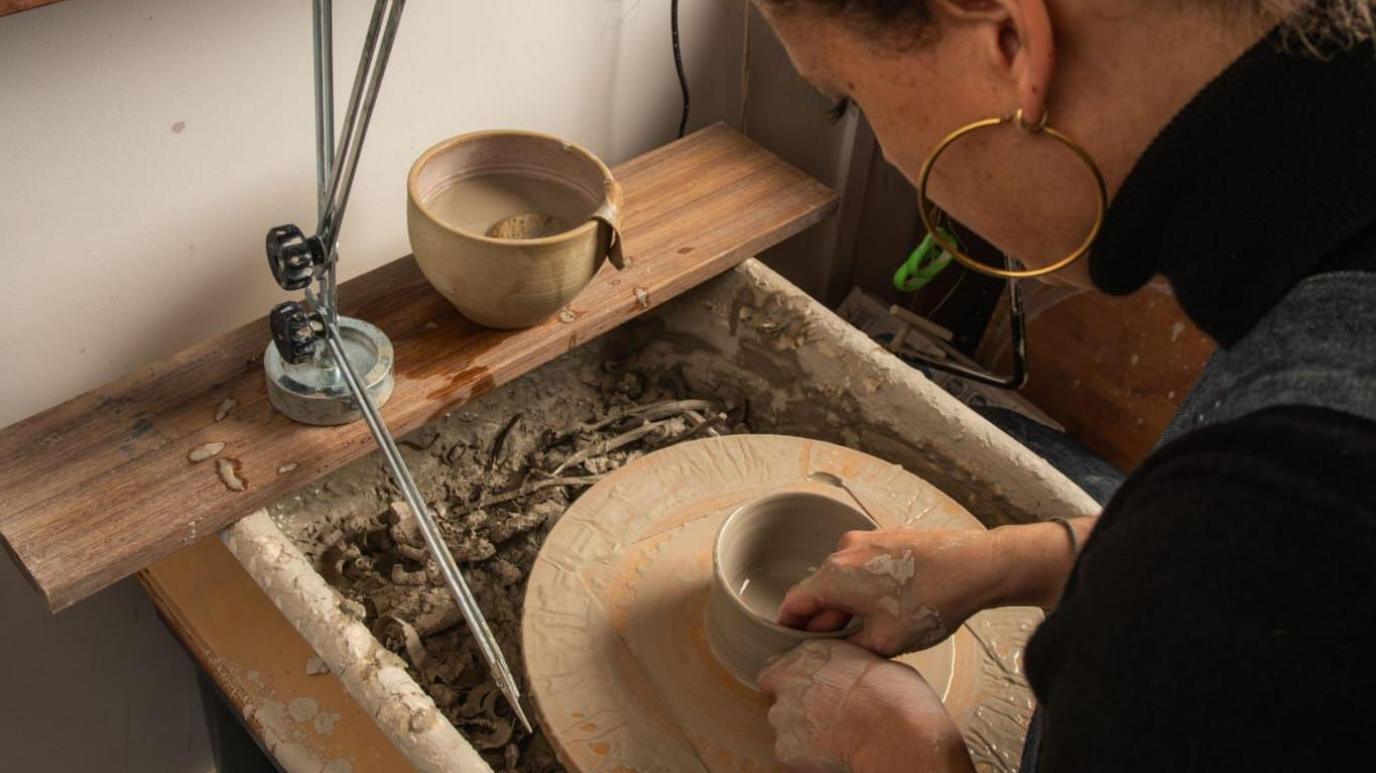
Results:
506 282
762 549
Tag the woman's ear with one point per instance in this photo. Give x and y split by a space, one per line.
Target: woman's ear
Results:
1034 56
1021 44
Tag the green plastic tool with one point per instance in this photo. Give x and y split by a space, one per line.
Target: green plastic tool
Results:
923 265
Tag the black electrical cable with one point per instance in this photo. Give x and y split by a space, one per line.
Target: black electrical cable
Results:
678 65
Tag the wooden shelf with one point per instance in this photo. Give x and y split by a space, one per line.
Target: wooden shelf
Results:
99 487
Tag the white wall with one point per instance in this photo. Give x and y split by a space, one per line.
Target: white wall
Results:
145 148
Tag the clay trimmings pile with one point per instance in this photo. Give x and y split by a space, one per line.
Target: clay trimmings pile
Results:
496 494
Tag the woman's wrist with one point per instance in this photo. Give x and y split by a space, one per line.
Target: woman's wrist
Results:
1033 561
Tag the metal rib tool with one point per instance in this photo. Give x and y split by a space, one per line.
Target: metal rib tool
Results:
468 605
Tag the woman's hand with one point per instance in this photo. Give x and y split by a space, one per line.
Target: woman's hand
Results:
837 707
914 587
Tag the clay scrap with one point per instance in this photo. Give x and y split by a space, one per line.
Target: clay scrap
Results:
204 451
495 490
226 405
228 470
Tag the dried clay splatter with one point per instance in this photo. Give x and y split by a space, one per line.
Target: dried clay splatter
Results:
303 709
228 470
900 569
286 468
205 451
226 405
324 722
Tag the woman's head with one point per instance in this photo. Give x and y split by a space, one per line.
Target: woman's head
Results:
1109 73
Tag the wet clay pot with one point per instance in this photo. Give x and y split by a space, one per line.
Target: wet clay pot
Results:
762 549
509 226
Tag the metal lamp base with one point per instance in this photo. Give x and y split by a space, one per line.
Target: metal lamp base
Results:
315 392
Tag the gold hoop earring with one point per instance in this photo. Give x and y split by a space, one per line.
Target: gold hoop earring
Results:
927 210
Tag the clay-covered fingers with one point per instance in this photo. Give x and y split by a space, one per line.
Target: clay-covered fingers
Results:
911 588
769 679
835 706
793 669
851 539
828 620
808 689
813 611
807 610
828 599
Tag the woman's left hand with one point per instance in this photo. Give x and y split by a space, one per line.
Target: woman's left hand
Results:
839 707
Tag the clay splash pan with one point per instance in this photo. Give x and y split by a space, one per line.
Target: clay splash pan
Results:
549 462
619 636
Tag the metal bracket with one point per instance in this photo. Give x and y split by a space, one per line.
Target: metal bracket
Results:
294 257
294 333
304 381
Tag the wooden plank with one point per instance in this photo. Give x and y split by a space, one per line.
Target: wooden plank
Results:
99 487
8 7
259 661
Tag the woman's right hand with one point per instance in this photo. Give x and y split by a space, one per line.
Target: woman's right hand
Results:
914 587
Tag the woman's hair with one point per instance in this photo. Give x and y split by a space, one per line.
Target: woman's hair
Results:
1316 25
1322 23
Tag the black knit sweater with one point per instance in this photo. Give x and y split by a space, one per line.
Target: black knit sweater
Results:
1220 616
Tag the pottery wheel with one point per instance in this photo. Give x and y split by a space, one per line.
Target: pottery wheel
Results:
619 668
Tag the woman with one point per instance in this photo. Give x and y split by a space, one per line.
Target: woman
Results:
1216 614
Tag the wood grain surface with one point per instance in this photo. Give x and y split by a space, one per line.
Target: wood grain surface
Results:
259 662
1113 370
98 487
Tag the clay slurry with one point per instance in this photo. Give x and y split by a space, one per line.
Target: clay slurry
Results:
477 203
